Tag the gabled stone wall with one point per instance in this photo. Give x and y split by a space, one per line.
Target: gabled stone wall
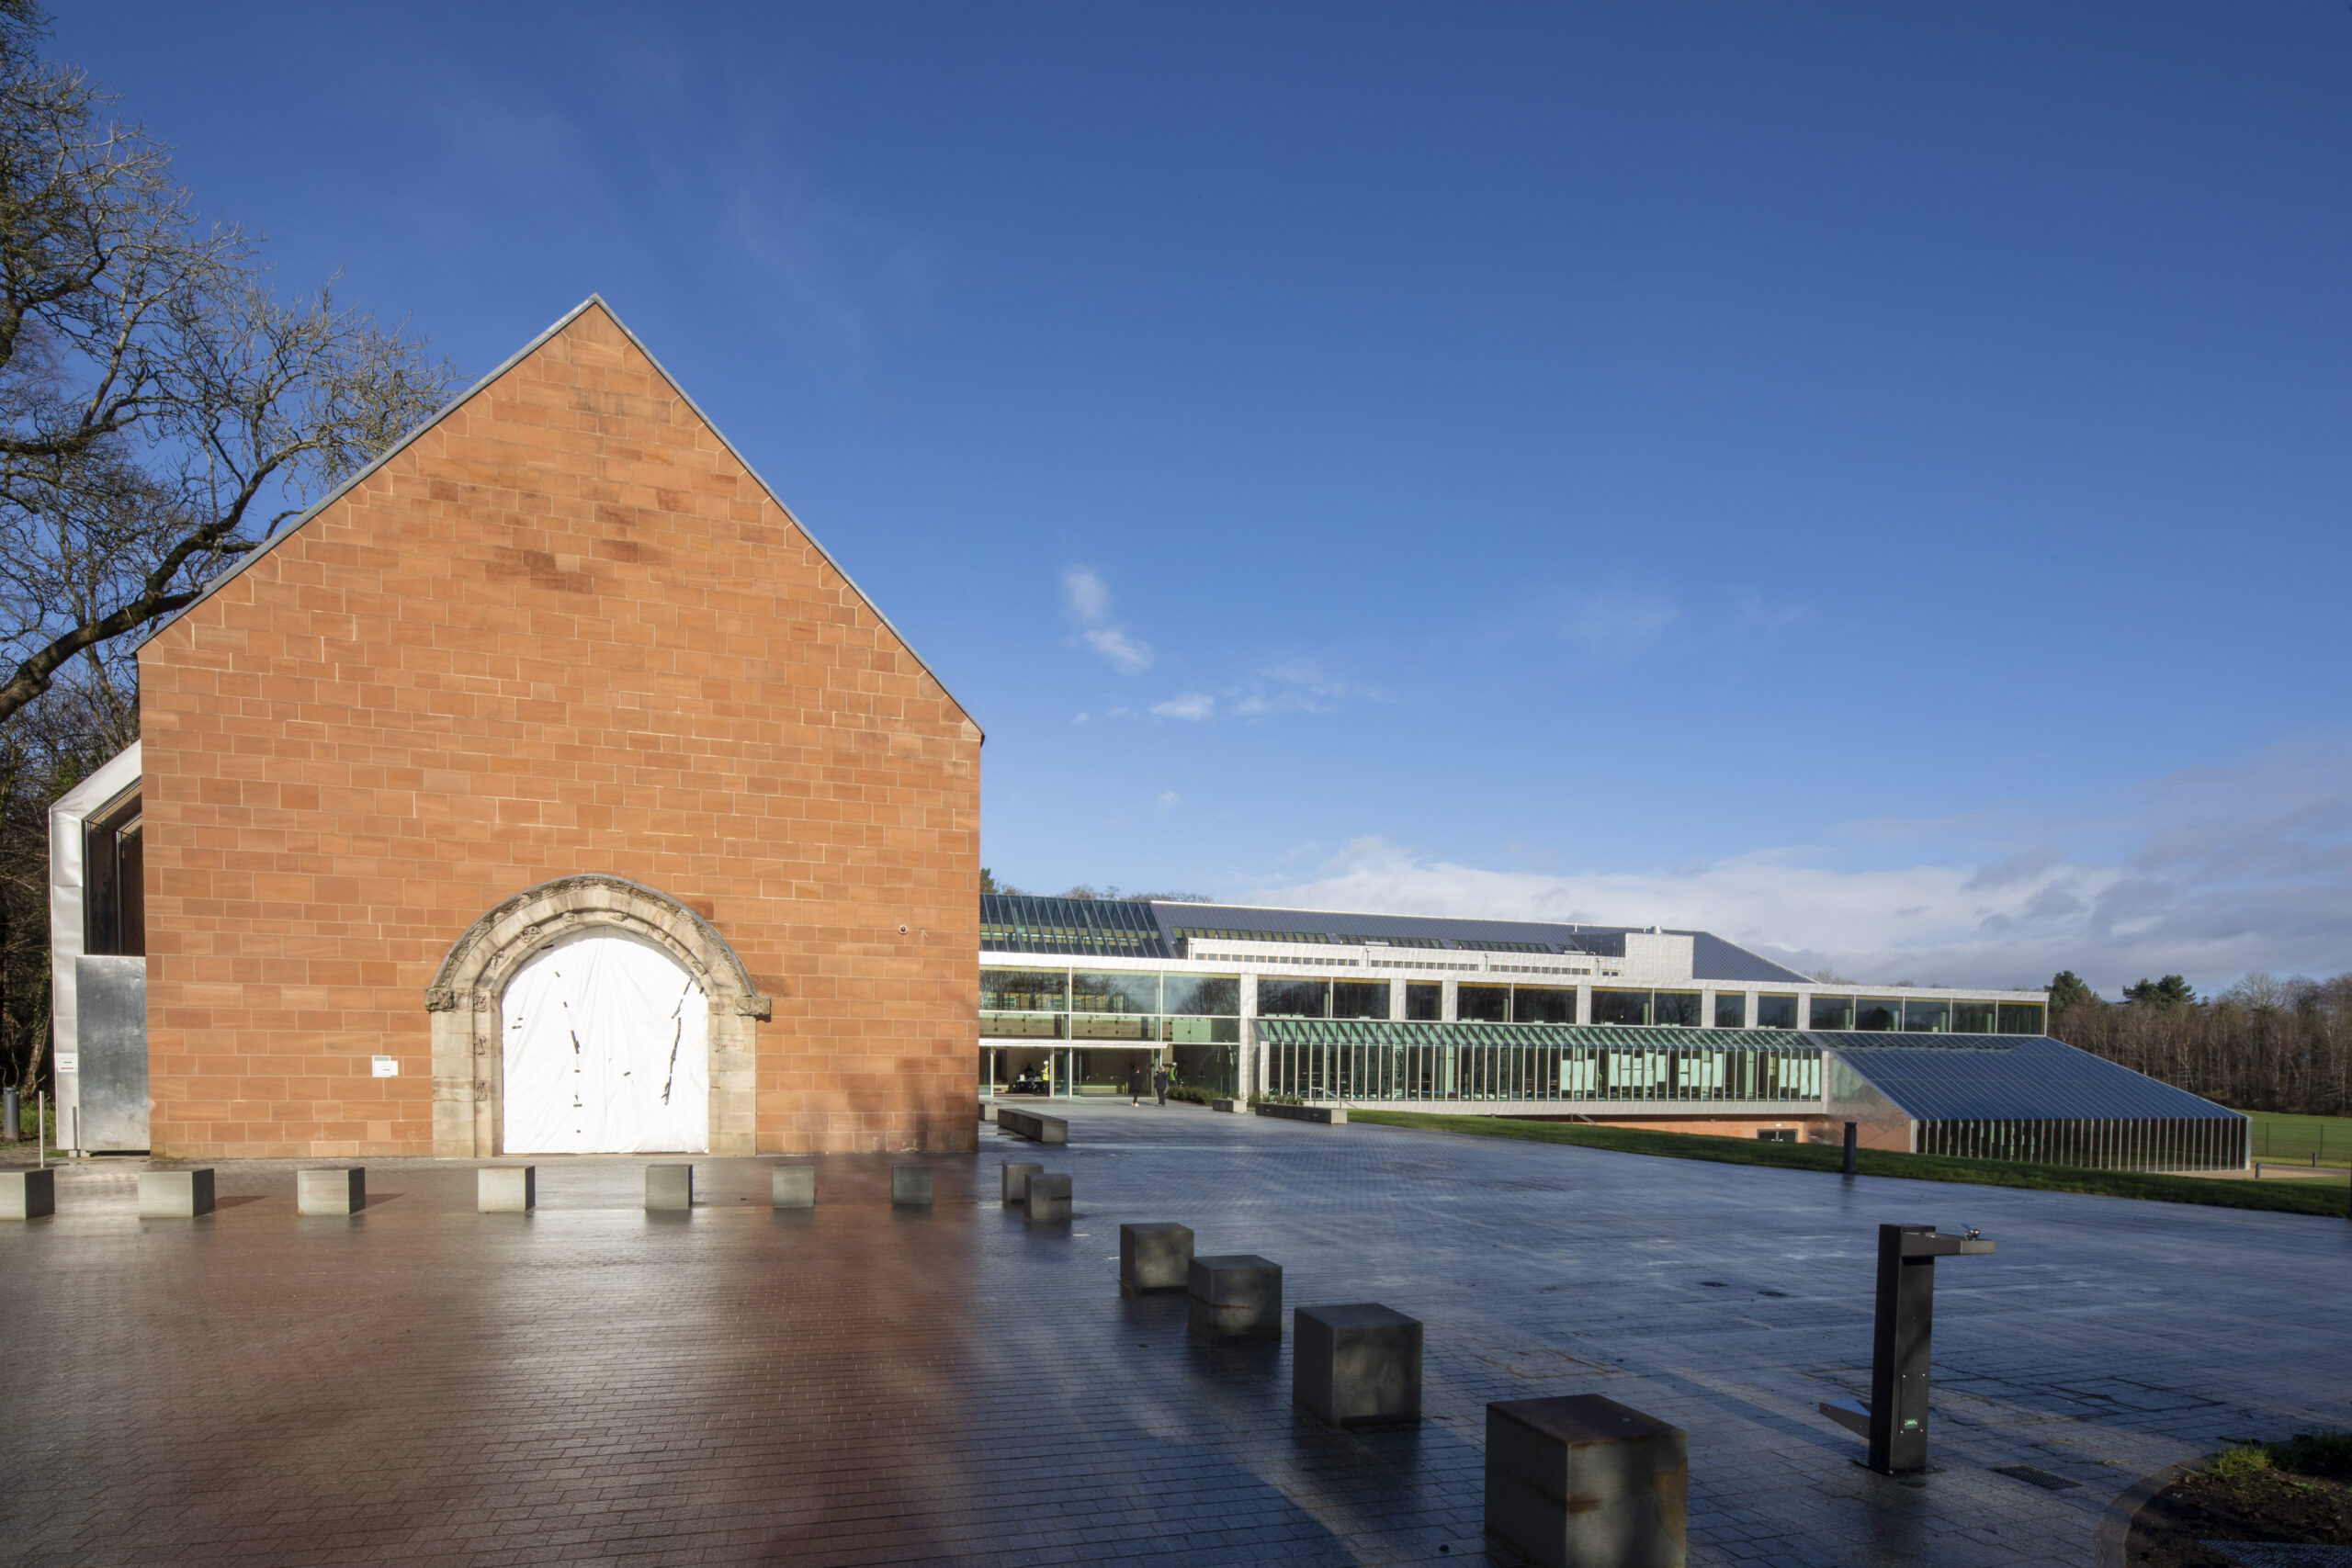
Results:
561 632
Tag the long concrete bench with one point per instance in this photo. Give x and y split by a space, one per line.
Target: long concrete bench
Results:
1330 1115
1034 1125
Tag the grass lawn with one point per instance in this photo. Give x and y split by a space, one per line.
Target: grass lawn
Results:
2294 1139
2284 1197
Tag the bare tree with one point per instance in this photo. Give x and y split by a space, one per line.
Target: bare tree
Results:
161 411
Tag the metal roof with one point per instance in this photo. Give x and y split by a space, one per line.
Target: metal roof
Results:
1713 958
2008 1077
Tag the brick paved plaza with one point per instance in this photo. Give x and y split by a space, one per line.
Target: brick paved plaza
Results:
854 1384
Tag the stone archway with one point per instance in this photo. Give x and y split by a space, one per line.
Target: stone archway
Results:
464 999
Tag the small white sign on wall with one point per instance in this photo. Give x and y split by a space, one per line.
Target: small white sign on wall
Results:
386 1066
69 1061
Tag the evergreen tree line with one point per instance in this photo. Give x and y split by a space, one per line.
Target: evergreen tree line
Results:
2267 1044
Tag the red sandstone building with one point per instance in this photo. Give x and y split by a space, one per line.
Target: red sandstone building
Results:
555 713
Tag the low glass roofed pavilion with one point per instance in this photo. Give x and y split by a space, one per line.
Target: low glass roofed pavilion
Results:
1679 1031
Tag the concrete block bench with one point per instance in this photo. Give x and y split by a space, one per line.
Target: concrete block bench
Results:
27 1194
334 1189
1221 1105
792 1186
174 1194
1047 1197
1034 1125
669 1187
1355 1365
1330 1115
1587 1481
506 1189
911 1186
1236 1296
1154 1257
1016 1180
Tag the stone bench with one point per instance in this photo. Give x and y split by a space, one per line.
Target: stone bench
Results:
1330 1115
1047 1197
1034 1125
1236 1296
331 1189
1154 1257
27 1194
1356 1365
174 1194
1221 1105
506 1189
1016 1175
792 1186
669 1187
911 1186
1587 1481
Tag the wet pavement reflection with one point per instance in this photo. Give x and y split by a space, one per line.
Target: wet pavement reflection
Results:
857 1383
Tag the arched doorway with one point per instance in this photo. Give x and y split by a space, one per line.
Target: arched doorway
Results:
466 1003
604 1045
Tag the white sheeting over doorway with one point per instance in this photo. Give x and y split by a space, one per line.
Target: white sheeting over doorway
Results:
608 1051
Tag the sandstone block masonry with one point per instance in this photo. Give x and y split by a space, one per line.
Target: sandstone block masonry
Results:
563 632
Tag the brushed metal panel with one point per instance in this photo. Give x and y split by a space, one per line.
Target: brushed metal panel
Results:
114 1052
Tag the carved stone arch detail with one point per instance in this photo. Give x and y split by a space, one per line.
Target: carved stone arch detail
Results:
463 1002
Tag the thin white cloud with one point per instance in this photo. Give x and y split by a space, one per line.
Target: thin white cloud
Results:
1168 800
2222 871
1618 624
1294 685
1191 705
1087 600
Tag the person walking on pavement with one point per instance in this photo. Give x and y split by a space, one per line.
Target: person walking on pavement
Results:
1135 1084
1160 1082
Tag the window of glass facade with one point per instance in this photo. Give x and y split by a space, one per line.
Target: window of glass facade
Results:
1424 1004
1833 1012
1621 1007
1294 998
1731 1010
1777 1012
1200 1031
1482 1004
1972 1017
1204 995
1877 1013
1679 1007
1358 998
2020 1018
1927 1017
1114 993
1543 1004
1024 990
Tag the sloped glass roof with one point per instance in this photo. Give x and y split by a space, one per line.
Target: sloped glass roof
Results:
1614 1037
1999 1077
1086 927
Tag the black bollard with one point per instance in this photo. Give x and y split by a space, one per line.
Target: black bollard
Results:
1850 1148
1896 1420
11 1115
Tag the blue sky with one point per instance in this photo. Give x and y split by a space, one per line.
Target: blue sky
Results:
1868 481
